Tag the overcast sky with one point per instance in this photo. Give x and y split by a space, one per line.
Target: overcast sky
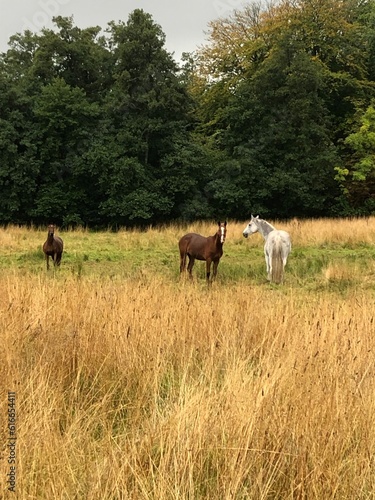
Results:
183 22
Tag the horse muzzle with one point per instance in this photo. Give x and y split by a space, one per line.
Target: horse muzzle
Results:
245 235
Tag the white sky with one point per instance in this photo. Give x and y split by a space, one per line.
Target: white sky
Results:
183 22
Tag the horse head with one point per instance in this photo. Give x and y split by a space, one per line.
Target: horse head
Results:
222 231
252 226
51 230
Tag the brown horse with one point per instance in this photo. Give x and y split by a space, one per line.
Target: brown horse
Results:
53 247
199 247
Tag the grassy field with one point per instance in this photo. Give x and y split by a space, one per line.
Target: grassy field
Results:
133 384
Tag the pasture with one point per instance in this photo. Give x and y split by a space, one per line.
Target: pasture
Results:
133 384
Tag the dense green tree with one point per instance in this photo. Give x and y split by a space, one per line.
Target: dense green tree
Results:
78 56
147 128
18 164
55 79
357 177
277 89
279 134
65 121
107 129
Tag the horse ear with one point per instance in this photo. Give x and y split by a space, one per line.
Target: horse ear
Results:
225 224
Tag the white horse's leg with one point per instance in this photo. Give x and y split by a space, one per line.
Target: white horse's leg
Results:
268 264
285 253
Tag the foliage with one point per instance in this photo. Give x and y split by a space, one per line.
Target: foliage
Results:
300 72
358 177
145 127
107 125
106 129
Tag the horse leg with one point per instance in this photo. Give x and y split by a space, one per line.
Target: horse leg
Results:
58 259
190 266
182 262
214 269
208 269
268 265
47 260
285 258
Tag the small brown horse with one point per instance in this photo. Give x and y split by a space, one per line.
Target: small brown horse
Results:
53 247
199 247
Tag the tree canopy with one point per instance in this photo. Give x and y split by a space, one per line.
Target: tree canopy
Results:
275 114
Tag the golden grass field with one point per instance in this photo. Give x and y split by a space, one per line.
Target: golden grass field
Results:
133 384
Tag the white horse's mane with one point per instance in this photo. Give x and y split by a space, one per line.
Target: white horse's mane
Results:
265 226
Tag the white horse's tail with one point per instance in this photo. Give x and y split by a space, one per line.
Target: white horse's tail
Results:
277 263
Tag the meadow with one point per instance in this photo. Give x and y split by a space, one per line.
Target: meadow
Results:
131 383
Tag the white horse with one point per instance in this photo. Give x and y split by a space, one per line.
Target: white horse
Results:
277 247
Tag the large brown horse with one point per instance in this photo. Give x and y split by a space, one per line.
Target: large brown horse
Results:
53 247
199 247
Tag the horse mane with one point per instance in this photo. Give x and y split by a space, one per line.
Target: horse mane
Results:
266 226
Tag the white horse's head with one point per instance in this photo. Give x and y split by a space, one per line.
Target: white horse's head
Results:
252 226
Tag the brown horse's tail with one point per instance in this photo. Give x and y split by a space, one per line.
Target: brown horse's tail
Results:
182 245
277 264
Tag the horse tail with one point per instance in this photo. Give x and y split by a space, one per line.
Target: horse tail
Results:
182 245
277 263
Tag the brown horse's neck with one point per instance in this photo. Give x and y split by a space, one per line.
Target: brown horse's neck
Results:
50 238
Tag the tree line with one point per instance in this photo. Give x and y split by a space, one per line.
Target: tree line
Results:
274 115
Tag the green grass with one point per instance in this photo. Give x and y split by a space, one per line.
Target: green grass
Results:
131 255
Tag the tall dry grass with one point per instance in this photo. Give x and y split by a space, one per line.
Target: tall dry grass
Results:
303 232
324 231
152 388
